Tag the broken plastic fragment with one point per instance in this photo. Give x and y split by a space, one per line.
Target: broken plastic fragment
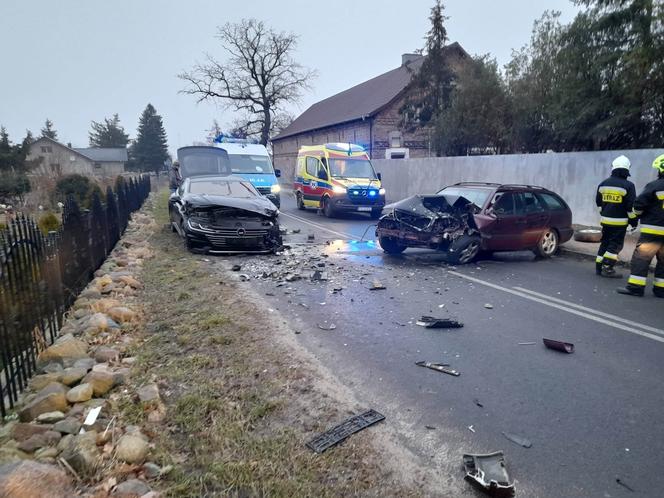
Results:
489 472
347 428
563 347
440 367
438 323
520 440
92 416
318 275
376 285
236 268
526 344
626 486
488 306
325 326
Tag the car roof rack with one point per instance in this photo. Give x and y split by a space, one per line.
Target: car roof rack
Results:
482 184
501 185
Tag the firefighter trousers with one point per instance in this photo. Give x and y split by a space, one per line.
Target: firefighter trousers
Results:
647 248
613 239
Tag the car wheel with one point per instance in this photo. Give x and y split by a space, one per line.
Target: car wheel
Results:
375 213
548 244
391 246
299 201
328 210
464 250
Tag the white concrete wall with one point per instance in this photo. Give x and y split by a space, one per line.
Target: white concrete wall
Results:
573 175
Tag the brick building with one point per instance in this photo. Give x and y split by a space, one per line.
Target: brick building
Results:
366 114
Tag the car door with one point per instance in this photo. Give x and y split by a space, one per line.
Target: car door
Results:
506 232
312 193
175 203
537 218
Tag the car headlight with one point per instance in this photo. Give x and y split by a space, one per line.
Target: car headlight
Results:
275 189
337 189
381 191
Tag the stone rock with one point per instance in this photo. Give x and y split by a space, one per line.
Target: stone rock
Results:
45 453
129 361
86 363
36 441
105 304
103 281
148 393
80 393
157 414
122 314
104 354
101 382
6 431
131 449
90 293
72 375
52 368
81 312
81 452
65 347
151 470
53 387
52 437
133 488
121 375
28 479
131 282
39 382
21 431
49 403
50 417
98 322
11 454
68 426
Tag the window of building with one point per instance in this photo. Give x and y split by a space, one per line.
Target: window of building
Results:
55 168
395 139
97 165
46 149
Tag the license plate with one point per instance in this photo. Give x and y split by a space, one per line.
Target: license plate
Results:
364 208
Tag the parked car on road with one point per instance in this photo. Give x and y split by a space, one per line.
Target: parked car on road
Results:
466 218
224 214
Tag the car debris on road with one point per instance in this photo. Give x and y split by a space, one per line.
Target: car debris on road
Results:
520 440
489 473
430 322
377 285
563 347
342 431
439 367
325 326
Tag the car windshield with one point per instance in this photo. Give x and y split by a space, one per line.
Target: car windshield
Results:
197 161
243 190
245 163
477 196
352 168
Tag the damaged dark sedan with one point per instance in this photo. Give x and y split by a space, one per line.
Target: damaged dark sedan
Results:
441 222
224 215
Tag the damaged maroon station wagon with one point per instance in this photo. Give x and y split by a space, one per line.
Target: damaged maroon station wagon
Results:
467 218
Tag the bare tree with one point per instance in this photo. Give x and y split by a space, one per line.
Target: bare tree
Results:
259 77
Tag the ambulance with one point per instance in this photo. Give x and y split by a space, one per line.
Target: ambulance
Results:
337 178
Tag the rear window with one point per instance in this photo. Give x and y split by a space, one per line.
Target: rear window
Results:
551 202
223 188
477 196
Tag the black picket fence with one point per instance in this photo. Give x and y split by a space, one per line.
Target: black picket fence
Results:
42 275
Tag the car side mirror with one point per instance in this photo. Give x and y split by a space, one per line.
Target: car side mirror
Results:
277 173
379 176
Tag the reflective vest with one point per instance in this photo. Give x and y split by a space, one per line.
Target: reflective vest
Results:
615 198
649 208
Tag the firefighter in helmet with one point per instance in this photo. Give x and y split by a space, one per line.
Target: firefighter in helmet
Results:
649 209
615 197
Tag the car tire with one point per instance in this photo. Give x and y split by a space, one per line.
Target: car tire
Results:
391 246
328 210
588 235
464 250
548 244
299 200
376 213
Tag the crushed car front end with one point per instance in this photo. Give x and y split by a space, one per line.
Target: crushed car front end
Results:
216 228
440 222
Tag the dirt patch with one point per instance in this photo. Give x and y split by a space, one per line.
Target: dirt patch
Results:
242 396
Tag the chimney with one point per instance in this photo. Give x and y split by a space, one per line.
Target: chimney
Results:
408 58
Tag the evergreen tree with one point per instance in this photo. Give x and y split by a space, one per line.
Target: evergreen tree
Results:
14 183
108 134
48 130
150 149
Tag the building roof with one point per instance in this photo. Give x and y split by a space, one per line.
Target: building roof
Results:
106 154
359 102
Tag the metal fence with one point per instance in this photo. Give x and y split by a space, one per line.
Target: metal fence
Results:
42 275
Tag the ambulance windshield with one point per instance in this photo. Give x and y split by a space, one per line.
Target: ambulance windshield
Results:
352 168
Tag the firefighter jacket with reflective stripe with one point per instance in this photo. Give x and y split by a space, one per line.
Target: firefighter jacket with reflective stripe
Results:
615 197
649 207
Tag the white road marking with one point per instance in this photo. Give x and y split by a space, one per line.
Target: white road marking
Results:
321 227
565 308
594 311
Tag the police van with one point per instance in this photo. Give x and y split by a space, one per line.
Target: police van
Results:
251 161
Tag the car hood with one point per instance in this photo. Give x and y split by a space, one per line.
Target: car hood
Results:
431 206
356 182
259 205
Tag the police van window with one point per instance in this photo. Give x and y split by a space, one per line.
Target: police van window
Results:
551 202
503 203
532 203
312 166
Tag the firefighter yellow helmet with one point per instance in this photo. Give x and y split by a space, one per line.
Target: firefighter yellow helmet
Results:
658 163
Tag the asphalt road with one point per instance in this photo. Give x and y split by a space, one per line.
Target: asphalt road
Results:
593 416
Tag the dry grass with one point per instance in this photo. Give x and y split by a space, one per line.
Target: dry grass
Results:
237 415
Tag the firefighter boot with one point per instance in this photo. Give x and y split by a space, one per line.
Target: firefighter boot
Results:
598 268
608 271
630 291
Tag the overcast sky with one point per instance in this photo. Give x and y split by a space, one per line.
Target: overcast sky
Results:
74 61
